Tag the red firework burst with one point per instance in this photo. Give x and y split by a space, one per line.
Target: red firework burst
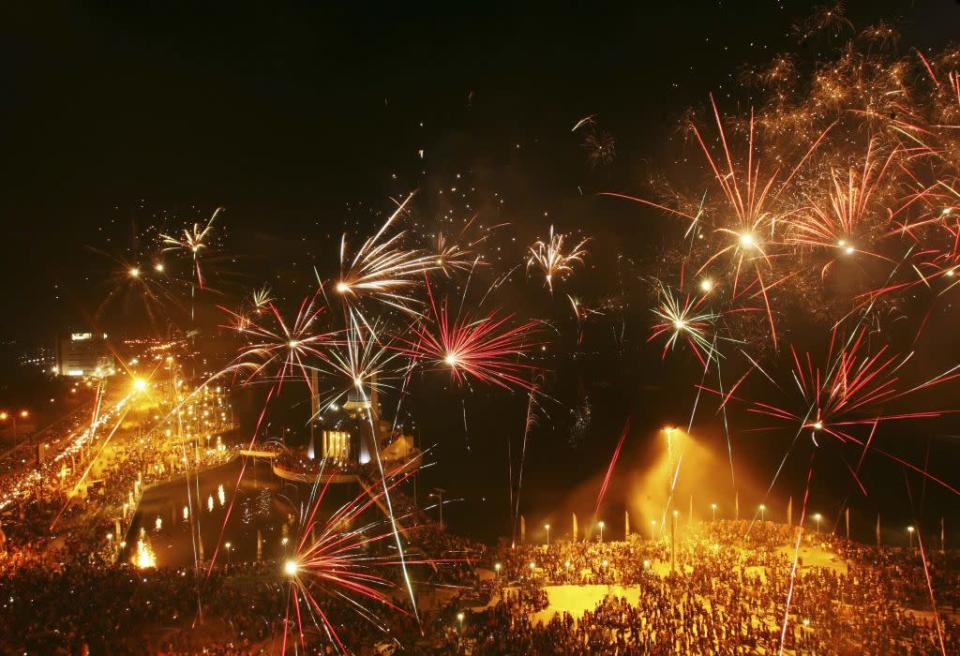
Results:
487 349
338 566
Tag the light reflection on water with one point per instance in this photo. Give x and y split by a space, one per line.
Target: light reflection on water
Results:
265 506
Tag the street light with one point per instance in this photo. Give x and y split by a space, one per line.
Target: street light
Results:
547 527
12 416
497 567
817 517
229 548
601 525
713 512
460 617
910 532
438 494
763 508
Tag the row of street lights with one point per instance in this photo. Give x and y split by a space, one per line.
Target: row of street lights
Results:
816 517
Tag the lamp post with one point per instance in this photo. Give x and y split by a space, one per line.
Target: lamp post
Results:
713 512
496 568
763 509
817 517
601 525
547 527
673 541
438 494
229 548
910 532
653 529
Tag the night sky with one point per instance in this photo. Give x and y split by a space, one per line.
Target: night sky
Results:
116 112
302 120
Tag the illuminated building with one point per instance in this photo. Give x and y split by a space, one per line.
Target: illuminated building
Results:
336 445
85 354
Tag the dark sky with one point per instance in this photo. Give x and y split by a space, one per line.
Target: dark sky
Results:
291 116
283 113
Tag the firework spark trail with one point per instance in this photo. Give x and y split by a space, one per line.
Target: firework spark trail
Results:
496 284
364 360
125 406
466 286
194 516
151 287
726 425
513 519
611 466
586 120
581 314
337 559
796 556
97 407
393 519
700 387
926 570
529 423
460 254
673 487
402 393
236 488
848 389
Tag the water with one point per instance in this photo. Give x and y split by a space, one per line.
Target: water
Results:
265 505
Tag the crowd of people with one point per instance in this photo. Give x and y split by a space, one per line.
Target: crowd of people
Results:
66 518
725 593
720 588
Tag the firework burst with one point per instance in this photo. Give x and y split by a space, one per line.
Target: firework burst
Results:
684 320
277 348
846 398
193 241
848 223
553 259
487 349
600 146
382 269
343 563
